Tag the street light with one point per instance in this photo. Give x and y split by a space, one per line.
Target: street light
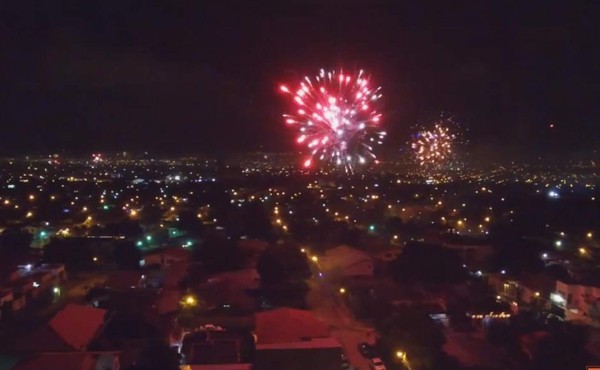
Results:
314 258
189 301
342 290
401 355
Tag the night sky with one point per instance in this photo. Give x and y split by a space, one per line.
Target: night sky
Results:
177 77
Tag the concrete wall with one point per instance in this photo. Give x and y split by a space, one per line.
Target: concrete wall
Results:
298 359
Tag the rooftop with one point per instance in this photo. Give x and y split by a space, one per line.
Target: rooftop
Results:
286 325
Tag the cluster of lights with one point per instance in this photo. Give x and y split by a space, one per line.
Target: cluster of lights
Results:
501 315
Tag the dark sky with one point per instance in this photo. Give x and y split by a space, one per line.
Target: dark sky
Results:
193 76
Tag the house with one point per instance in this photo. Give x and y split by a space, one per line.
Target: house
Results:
72 329
580 301
71 361
56 272
527 289
314 354
231 289
252 249
174 274
165 257
168 301
344 261
29 282
285 325
472 252
125 280
217 346
288 338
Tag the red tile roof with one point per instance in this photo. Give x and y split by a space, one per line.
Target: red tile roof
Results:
286 325
77 325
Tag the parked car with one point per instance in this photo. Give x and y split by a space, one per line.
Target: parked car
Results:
345 362
366 350
376 364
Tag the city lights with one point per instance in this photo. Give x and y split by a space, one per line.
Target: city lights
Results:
187 172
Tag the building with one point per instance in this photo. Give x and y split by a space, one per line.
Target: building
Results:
165 257
28 283
231 289
125 280
472 252
316 354
344 261
294 339
215 346
531 290
580 302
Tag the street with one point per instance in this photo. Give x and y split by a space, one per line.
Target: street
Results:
324 301
472 349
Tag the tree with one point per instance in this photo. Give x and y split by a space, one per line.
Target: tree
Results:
283 270
258 224
563 349
394 224
558 272
217 253
126 255
14 242
282 263
412 331
428 263
151 214
189 222
75 254
350 236
518 255
128 228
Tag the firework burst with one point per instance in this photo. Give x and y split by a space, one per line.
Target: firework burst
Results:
336 119
434 148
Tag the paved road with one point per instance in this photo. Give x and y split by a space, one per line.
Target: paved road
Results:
472 349
323 300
